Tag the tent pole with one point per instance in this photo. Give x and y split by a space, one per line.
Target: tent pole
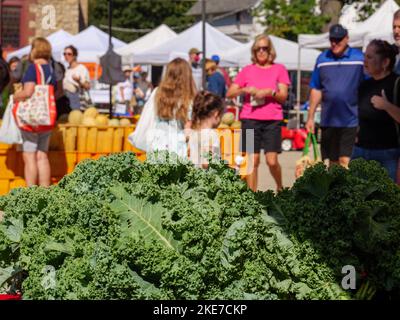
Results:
203 18
298 93
109 45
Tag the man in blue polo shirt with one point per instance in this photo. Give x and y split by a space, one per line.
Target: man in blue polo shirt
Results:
335 80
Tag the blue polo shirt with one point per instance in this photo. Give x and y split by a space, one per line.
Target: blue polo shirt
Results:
339 78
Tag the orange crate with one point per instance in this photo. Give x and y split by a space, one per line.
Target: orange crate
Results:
4 186
62 163
17 183
100 139
80 156
127 145
8 164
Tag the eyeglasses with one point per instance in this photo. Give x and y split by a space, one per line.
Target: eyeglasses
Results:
68 54
259 49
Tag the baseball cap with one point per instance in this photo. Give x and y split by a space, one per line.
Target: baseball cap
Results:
215 58
194 50
337 31
126 68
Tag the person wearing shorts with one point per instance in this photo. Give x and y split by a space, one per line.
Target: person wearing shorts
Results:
336 78
36 144
264 85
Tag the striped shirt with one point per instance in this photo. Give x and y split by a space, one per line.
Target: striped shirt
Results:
339 79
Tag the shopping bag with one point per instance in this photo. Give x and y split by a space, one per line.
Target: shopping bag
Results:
9 131
305 161
39 112
141 137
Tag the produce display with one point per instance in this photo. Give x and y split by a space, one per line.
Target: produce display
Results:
228 121
117 228
91 117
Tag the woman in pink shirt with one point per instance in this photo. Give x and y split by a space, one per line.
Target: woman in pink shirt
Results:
264 85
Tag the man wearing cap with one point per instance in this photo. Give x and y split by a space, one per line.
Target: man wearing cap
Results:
222 71
124 92
194 60
335 80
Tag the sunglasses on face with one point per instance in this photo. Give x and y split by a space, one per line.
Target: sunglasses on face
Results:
262 49
68 54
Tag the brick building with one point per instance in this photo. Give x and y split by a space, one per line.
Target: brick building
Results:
22 20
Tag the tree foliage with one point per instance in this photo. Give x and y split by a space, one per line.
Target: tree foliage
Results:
289 18
140 14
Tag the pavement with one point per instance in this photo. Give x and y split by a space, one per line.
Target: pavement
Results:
287 159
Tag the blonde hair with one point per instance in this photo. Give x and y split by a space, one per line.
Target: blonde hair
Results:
176 91
41 49
271 49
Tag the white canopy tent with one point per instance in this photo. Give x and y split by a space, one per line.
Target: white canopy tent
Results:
91 43
380 22
154 38
216 43
60 36
286 54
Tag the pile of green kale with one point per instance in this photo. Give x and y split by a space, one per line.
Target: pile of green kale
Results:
351 217
117 228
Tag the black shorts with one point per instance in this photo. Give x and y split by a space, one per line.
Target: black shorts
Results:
337 142
267 136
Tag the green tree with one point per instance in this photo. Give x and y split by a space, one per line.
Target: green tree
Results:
140 14
289 18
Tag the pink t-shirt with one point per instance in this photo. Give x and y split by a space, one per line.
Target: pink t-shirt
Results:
262 78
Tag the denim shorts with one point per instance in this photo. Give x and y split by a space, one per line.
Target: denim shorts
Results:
35 141
388 158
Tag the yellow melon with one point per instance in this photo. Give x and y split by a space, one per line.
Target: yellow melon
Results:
75 117
91 113
87 121
113 123
223 126
228 118
125 122
101 120
236 125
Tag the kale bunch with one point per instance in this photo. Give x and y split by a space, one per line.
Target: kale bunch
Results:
117 228
351 217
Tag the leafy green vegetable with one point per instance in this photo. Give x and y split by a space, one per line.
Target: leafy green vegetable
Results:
117 228
351 217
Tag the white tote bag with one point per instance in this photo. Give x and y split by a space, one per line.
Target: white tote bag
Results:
142 136
9 131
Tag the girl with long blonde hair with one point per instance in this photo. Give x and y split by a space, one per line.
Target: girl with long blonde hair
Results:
173 104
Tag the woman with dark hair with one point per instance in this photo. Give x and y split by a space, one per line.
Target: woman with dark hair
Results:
265 87
378 136
76 78
173 100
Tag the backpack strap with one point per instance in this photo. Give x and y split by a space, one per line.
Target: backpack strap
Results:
39 74
40 77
